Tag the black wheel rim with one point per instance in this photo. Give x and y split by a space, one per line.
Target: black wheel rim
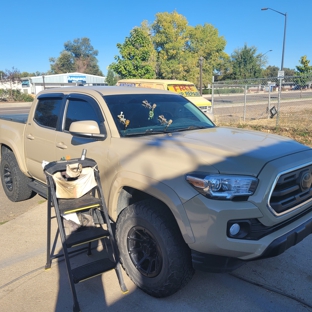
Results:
7 176
144 251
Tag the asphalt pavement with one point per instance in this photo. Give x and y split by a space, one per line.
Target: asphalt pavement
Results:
282 283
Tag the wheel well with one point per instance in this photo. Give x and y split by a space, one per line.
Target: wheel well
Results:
129 196
5 149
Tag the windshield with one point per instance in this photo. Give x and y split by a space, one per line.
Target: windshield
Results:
145 114
186 90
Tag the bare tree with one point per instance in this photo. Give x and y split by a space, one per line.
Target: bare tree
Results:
12 77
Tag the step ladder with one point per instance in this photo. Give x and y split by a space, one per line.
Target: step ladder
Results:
64 194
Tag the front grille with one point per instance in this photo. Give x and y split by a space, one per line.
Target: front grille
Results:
291 189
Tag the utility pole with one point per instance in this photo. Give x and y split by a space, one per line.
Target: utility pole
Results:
201 60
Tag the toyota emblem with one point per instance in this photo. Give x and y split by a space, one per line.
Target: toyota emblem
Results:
306 181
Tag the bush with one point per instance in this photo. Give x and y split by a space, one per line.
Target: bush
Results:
4 94
14 96
18 96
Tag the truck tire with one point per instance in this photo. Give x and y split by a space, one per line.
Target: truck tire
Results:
152 250
14 182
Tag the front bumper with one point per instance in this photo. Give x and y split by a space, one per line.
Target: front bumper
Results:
209 227
222 264
288 240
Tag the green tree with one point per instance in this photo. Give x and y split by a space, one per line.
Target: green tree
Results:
65 63
170 36
204 41
289 72
137 58
27 74
246 63
223 68
270 71
303 72
170 49
111 78
79 56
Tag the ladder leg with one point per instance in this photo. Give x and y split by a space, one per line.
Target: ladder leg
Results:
76 307
48 263
122 284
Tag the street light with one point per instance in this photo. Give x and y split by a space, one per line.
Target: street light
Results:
282 64
201 60
261 55
285 15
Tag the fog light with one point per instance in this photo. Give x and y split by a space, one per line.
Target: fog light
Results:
234 229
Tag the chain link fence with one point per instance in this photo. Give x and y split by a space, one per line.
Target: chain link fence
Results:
283 101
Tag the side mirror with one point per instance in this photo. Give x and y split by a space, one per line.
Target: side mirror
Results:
86 128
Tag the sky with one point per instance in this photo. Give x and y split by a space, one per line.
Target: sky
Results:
32 31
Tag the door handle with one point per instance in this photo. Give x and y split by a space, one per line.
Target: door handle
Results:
61 145
30 137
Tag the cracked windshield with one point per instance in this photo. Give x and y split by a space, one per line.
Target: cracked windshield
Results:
145 114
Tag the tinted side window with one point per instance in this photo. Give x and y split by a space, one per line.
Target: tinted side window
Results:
78 110
47 112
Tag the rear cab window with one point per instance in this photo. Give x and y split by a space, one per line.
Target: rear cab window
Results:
48 110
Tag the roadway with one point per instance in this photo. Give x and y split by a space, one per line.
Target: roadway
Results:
259 97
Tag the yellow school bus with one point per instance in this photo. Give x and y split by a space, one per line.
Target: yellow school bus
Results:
185 88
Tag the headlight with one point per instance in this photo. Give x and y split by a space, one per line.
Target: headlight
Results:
218 186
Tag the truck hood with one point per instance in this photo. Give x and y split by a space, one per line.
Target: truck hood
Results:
219 149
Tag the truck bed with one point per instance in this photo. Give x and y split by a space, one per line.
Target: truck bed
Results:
22 118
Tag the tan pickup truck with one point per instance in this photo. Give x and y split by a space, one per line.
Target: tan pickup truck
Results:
184 194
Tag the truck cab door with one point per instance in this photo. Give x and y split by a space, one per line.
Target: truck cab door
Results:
40 134
79 108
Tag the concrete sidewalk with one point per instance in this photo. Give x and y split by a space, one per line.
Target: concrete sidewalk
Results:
26 285
283 283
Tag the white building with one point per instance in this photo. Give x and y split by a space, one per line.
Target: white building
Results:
33 85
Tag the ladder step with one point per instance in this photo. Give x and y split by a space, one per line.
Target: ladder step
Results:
85 235
92 269
77 204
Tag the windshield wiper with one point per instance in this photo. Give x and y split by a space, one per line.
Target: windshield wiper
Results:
190 128
146 132
196 127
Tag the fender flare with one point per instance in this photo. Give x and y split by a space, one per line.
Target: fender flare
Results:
154 188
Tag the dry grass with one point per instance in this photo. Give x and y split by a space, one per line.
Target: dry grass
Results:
297 127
